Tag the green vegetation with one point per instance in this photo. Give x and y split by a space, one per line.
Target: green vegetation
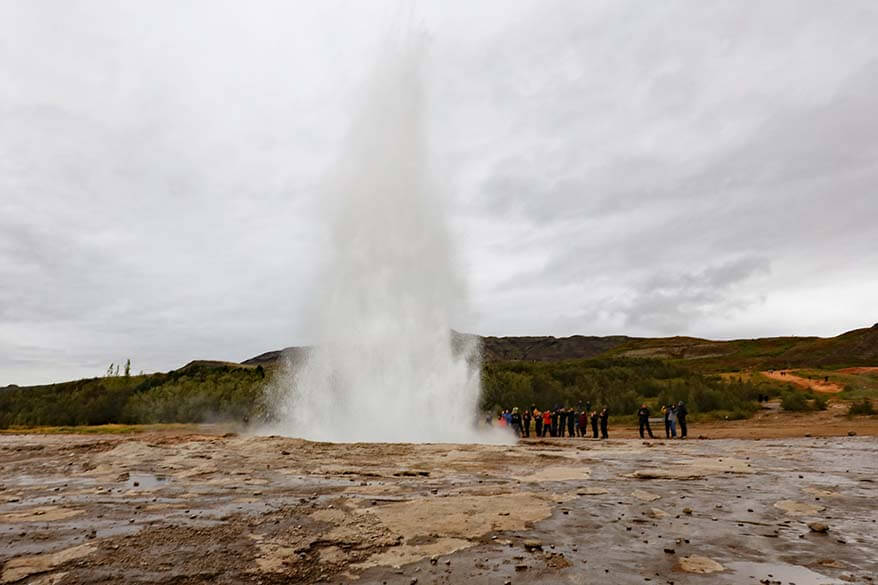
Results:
718 380
863 407
794 401
621 384
195 393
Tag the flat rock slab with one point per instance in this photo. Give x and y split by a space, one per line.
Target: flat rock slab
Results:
558 473
645 496
462 516
21 567
699 564
40 514
794 508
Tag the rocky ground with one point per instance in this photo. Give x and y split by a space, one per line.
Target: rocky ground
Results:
208 508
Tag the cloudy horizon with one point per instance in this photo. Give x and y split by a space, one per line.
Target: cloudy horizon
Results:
689 168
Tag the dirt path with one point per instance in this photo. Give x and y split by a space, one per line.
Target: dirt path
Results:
815 385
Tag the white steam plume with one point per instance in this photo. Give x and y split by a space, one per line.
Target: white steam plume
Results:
383 368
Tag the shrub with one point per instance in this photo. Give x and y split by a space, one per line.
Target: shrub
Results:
863 407
794 401
820 402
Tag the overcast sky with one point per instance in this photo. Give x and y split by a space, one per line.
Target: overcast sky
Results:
641 168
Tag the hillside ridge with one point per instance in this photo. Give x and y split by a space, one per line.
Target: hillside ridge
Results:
858 347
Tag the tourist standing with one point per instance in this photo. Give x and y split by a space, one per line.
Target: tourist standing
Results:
605 419
643 419
571 422
583 424
666 411
681 418
547 422
538 423
525 422
515 420
672 420
594 423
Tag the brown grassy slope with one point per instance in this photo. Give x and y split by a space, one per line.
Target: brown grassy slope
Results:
854 348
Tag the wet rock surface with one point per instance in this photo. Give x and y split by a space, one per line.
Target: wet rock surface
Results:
193 508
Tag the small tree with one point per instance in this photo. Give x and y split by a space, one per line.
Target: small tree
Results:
110 370
128 368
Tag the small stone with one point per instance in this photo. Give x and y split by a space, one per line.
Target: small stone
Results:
670 551
687 511
818 527
852 434
532 545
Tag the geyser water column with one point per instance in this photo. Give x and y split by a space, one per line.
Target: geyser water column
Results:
383 367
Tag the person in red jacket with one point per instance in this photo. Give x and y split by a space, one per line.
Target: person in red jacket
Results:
547 422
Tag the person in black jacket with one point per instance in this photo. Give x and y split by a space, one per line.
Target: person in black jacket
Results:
594 423
556 414
538 421
515 419
571 422
666 411
643 419
681 418
525 422
605 418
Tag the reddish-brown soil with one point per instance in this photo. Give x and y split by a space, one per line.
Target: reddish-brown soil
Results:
807 383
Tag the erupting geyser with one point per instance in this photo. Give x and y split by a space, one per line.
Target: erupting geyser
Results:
383 367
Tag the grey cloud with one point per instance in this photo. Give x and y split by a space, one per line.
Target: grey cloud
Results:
619 167
670 303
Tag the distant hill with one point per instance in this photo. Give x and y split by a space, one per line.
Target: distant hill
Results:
270 358
854 348
549 349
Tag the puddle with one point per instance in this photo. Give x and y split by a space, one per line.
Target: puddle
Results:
145 481
781 572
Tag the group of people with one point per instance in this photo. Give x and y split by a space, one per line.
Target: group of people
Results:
576 422
673 414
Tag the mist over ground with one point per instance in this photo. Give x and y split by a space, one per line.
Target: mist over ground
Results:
614 168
